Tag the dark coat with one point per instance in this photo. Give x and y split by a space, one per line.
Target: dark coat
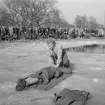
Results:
71 97
65 61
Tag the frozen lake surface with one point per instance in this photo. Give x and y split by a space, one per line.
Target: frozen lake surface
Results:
19 59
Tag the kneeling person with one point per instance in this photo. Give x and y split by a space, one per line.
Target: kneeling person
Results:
58 57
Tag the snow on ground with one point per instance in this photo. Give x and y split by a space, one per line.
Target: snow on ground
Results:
21 59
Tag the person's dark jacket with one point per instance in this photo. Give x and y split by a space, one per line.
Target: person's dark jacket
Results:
71 97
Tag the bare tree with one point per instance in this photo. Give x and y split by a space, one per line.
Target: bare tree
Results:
4 17
93 24
29 12
78 21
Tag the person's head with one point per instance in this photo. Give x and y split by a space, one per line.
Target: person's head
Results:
51 43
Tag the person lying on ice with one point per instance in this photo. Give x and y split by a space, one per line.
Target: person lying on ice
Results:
58 64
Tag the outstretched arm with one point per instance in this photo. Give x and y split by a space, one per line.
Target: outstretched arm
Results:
50 59
59 56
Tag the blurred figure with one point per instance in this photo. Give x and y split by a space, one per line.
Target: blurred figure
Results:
57 56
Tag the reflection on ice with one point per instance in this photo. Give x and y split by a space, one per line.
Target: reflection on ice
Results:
93 48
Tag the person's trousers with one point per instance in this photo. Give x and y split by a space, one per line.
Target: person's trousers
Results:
65 70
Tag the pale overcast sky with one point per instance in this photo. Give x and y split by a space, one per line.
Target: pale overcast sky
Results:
71 8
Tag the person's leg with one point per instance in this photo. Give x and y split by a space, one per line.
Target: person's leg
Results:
65 70
31 80
34 75
34 78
